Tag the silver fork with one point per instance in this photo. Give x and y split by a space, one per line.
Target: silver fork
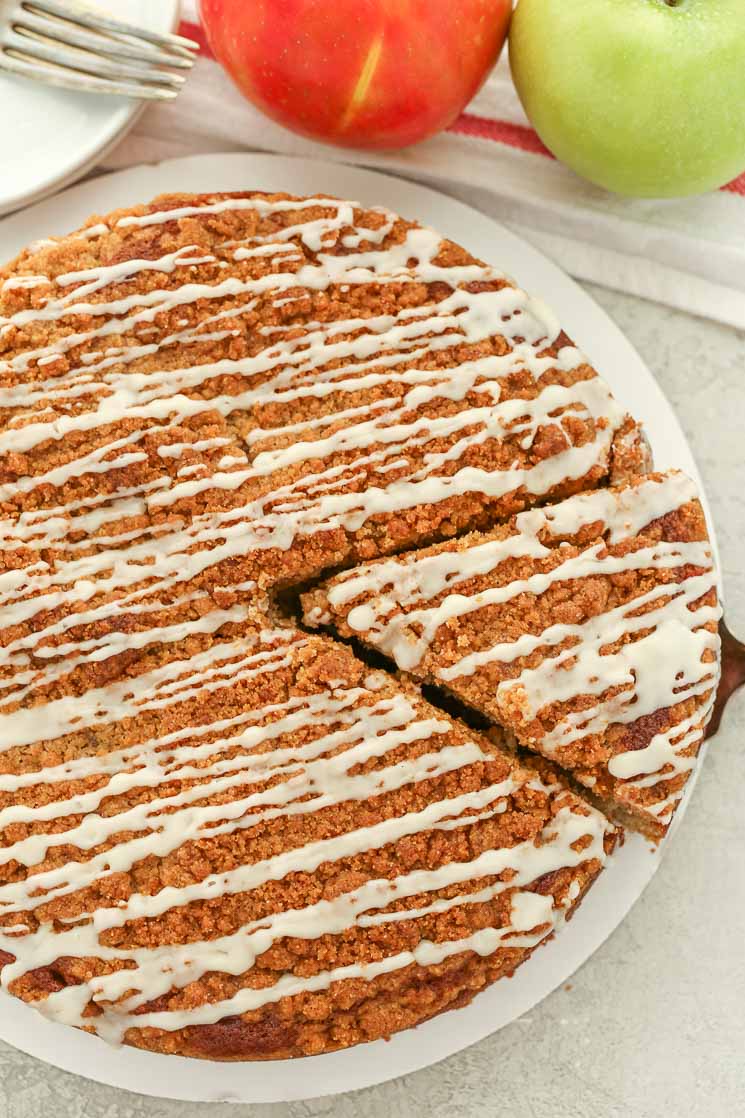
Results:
76 47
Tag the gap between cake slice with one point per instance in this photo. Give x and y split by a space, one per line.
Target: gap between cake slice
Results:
587 628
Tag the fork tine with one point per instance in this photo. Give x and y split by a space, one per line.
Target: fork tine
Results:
88 63
75 13
68 34
70 79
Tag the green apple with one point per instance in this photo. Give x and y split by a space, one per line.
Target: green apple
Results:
643 97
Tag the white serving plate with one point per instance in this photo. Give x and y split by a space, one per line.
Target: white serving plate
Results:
630 869
48 136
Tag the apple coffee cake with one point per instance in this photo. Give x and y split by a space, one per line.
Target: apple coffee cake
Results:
227 836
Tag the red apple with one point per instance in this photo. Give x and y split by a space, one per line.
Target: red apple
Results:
360 73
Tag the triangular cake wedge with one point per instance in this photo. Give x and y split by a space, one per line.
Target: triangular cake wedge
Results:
258 848
587 628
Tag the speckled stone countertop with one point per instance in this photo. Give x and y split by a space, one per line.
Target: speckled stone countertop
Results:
654 1022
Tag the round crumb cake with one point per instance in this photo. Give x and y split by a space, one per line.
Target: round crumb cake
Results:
221 834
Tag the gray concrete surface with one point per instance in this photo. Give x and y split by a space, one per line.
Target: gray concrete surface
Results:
654 1023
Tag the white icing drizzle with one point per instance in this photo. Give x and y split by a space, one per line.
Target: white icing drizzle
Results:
401 605
15 283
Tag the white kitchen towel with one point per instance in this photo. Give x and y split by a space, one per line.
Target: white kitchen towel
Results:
688 253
